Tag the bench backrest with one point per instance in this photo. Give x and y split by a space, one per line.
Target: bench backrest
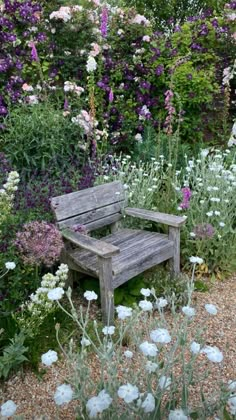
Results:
93 207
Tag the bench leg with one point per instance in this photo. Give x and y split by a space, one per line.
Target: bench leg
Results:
174 235
106 290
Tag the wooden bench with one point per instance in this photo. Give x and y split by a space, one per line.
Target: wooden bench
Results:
124 253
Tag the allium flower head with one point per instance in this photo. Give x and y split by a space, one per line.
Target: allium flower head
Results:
49 358
128 393
39 243
63 394
8 409
204 230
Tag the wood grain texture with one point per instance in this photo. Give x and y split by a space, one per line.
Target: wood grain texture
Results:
79 202
106 289
167 219
96 246
174 236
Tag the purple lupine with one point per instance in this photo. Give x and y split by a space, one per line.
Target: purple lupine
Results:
187 193
111 96
34 53
104 22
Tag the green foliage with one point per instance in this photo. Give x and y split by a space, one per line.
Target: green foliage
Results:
13 355
38 137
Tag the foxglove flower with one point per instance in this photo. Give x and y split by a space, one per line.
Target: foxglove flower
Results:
91 65
128 393
160 335
148 349
49 358
148 404
90 295
8 409
63 394
211 309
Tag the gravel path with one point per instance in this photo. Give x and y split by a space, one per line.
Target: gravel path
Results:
34 397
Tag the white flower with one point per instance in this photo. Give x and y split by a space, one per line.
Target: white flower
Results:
221 224
148 404
145 305
148 349
56 294
123 312
8 408
160 335
49 358
63 394
213 354
196 260
108 330
128 393
211 309
195 347
151 367
146 38
128 354
188 311
164 382
161 303
217 213
98 404
85 342
90 295
192 234
91 65
138 137
232 404
209 213
232 386
177 415
10 265
145 292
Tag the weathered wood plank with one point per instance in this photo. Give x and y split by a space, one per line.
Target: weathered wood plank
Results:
106 289
96 246
73 204
105 221
92 215
167 219
174 236
163 254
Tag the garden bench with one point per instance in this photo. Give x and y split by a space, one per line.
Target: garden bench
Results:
124 253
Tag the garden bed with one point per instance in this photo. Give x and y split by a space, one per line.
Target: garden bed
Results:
34 395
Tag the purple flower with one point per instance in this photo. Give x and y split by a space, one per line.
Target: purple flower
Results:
204 230
186 198
104 22
34 53
111 96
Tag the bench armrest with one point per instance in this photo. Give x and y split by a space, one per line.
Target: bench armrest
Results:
100 248
167 219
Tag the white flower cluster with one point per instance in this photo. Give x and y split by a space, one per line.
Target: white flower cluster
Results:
7 195
51 288
91 64
65 13
85 121
12 182
72 87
